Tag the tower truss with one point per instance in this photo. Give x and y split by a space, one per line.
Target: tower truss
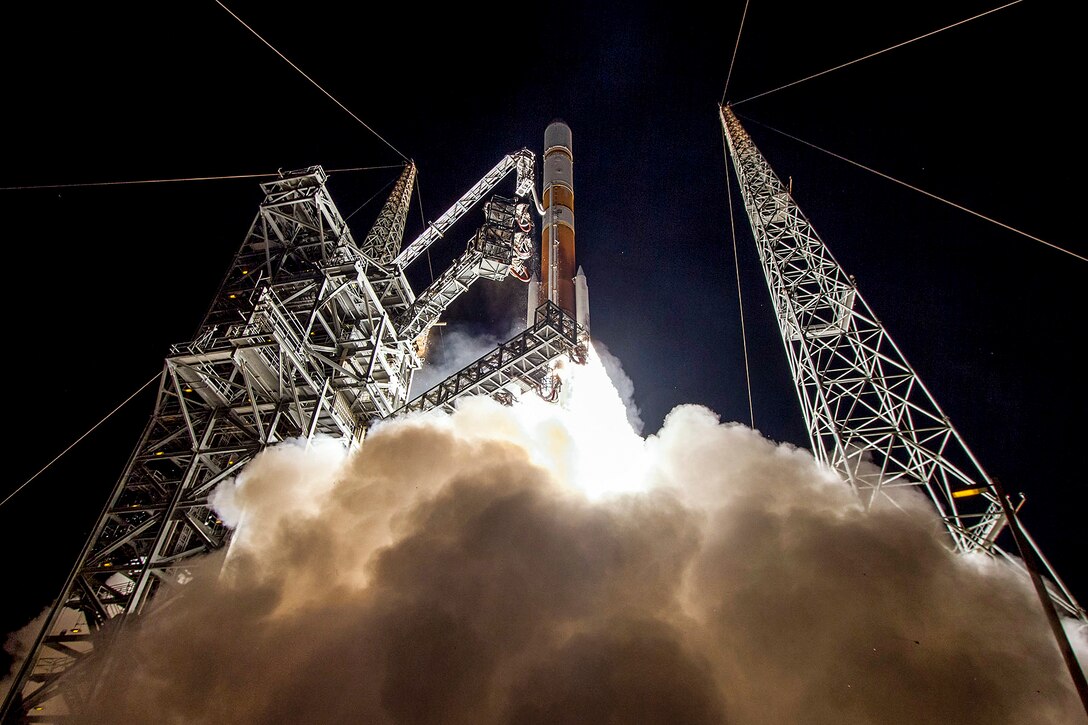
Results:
298 342
309 334
869 416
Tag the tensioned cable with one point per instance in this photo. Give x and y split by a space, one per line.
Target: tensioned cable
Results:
372 198
921 191
423 218
740 298
737 45
188 178
315 83
879 52
26 483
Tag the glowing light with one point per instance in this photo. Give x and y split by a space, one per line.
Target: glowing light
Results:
585 440
158 453
609 457
967 492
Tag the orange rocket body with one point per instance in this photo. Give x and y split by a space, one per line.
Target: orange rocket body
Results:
557 265
557 281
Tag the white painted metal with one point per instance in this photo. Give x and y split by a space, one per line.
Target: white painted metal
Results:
309 334
297 343
525 363
384 239
489 255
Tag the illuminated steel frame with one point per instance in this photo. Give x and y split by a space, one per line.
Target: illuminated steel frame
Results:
309 334
869 416
297 343
521 364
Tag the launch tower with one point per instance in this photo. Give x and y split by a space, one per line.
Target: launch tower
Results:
311 333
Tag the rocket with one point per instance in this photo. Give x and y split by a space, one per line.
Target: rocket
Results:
557 281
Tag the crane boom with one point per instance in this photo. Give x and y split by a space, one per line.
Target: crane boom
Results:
491 253
522 160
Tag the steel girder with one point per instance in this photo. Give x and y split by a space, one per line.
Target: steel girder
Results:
869 416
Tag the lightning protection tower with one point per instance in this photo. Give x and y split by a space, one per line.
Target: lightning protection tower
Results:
310 333
869 416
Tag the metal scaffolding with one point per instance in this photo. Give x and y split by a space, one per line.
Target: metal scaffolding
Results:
297 343
521 364
869 416
309 334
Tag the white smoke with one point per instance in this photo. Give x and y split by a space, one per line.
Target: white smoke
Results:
545 564
622 383
1077 633
454 347
17 644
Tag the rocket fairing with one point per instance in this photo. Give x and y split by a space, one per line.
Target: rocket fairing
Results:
557 281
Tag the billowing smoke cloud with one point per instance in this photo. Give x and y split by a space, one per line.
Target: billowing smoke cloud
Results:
454 347
536 564
625 388
17 644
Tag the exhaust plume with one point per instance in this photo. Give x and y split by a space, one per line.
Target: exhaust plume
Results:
16 646
545 564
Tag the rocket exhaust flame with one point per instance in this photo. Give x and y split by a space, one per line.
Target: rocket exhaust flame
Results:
544 563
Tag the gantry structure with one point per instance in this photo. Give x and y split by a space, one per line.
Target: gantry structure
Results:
869 416
311 333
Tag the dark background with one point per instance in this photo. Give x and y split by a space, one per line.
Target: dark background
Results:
102 280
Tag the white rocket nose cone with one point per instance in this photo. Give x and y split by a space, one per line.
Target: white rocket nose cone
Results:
557 134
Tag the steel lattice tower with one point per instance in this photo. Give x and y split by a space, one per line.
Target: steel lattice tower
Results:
869 416
309 334
296 344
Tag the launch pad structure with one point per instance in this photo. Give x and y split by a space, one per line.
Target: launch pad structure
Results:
870 417
311 333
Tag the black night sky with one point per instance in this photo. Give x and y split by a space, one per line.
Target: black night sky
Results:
103 280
